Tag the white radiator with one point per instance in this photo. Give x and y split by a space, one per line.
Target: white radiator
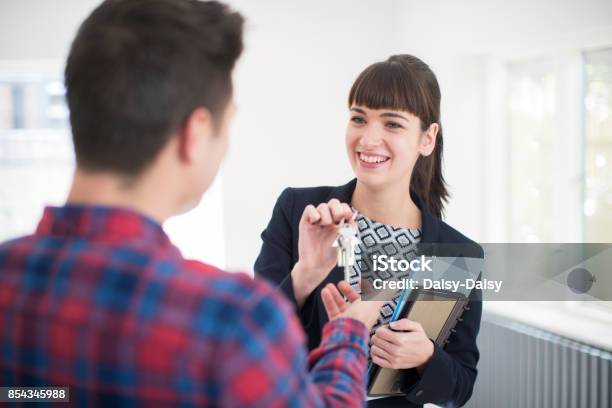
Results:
521 366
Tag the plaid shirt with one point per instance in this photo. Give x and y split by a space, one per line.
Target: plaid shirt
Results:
99 300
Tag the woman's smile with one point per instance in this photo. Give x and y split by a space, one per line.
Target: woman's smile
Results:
371 160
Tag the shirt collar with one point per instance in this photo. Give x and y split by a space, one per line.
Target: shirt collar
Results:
430 225
97 221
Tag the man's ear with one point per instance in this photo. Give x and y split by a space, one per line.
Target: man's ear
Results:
196 130
428 139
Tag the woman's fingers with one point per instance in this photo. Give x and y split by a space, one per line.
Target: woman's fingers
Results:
336 210
333 212
406 325
325 213
311 215
381 353
339 211
381 362
384 344
353 219
350 215
384 333
347 210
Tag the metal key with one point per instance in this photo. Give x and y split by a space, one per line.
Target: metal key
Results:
345 243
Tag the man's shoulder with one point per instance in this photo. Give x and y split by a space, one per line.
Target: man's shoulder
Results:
236 289
220 281
22 246
234 302
16 242
188 286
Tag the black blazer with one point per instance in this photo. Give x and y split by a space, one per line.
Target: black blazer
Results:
450 374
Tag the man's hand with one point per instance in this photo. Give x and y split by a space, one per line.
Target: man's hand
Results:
365 311
407 348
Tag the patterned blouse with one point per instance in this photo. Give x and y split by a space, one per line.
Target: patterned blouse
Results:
381 239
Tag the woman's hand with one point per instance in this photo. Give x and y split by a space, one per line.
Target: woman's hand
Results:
366 312
318 230
407 348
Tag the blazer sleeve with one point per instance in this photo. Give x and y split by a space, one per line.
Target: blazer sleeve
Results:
278 255
451 373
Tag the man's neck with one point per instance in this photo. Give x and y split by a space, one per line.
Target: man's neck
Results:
390 205
142 196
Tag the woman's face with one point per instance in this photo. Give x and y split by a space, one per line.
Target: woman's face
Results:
383 145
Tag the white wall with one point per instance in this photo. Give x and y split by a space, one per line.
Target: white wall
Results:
292 87
39 29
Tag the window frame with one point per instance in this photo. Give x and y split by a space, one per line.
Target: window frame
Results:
569 62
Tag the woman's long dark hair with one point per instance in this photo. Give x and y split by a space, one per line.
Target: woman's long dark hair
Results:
404 82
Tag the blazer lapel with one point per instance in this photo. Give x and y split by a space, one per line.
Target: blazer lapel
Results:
343 193
430 225
429 232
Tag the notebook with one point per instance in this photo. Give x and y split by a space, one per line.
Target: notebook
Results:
437 311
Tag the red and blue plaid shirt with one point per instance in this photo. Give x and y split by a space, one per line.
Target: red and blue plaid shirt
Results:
99 300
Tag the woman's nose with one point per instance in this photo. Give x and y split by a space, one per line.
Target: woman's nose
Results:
370 138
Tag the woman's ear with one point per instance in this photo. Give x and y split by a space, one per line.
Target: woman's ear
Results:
428 139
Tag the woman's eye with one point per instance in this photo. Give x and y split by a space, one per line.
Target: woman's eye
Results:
393 125
358 120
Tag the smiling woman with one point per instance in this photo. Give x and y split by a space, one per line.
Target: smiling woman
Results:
401 96
394 145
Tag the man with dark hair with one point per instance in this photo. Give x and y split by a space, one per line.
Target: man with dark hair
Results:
99 300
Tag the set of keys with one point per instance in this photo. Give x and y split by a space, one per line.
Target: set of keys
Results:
346 242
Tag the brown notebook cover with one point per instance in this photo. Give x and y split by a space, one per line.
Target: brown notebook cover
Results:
438 313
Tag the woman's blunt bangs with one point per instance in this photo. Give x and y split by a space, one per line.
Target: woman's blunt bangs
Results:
393 85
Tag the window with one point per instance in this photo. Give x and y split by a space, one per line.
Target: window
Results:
36 158
37 162
559 139
598 146
558 132
531 110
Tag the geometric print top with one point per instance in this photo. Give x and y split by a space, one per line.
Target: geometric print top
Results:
381 239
